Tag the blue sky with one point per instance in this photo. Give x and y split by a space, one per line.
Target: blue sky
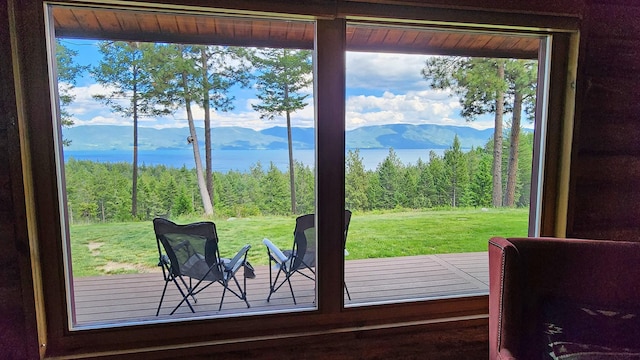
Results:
381 89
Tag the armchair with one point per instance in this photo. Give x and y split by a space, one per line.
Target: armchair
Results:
564 299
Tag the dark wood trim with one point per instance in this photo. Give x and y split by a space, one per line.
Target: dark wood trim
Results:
330 146
14 207
477 16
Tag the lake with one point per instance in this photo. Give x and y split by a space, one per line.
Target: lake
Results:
241 160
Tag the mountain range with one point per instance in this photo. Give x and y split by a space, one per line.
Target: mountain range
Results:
397 136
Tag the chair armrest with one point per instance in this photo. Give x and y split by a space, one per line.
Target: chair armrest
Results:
164 260
238 260
279 255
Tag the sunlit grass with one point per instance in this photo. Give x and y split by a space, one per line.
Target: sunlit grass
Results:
131 247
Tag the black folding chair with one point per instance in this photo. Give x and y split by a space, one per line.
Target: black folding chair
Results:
190 259
301 258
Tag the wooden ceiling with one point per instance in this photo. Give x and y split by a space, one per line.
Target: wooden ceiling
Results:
111 24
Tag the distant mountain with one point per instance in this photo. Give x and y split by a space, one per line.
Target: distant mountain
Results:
398 136
426 136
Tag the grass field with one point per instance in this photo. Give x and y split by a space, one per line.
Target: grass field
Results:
131 247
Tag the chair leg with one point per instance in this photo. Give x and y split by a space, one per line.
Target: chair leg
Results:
224 291
272 282
291 288
164 290
243 290
347 290
185 297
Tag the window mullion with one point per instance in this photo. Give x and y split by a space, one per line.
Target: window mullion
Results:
330 146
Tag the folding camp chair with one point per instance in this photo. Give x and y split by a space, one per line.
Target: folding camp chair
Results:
190 259
300 259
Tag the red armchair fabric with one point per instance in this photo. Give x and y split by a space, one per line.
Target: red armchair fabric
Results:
529 276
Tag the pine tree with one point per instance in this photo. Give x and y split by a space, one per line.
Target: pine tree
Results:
68 72
284 74
457 172
127 68
355 182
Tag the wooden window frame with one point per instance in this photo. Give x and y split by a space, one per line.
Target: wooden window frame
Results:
29 46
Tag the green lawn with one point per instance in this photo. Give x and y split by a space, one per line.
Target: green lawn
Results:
131 247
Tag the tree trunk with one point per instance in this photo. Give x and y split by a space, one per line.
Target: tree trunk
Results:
514 138
207 124
497 143
193 139
292 183
134 185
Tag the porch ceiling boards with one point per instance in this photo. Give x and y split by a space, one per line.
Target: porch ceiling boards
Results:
116 299
136 25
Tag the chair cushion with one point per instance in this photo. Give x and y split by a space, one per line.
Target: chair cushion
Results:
590 332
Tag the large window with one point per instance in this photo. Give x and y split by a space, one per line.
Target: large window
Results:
77 221
210 131
440 143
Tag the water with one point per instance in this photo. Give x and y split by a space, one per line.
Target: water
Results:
241 160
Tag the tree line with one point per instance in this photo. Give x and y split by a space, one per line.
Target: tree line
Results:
101 192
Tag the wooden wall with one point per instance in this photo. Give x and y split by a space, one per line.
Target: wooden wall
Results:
17 336
605 201
604 196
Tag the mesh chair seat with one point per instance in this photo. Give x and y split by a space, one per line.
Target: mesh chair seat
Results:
190 258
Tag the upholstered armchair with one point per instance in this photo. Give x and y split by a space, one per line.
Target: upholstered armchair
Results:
553 298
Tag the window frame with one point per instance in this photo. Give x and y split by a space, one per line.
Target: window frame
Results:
175 338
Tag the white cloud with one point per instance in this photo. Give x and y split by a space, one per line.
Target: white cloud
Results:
413 107
382 89
102 120
382 71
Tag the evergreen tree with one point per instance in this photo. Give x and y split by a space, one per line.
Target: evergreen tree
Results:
525 163
496 86
274 188
480 84
481 183
355 182
177 79
437 169
457 172
284 74
389 175
221 68
522 78
126 67
425 187
408 187
68 72
182 204
305 189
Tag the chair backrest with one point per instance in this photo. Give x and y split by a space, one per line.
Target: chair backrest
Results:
304 243
347 220
192 248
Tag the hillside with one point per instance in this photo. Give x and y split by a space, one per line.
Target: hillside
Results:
398 136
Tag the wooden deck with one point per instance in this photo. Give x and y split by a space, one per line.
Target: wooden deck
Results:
115 299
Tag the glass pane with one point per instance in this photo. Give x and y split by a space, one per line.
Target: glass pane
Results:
189 122
426 188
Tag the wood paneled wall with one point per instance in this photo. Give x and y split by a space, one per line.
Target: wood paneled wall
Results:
604 196
17 338
605 201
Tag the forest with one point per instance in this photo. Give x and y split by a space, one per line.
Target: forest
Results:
101 192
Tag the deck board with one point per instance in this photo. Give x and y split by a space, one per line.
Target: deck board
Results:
114 299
